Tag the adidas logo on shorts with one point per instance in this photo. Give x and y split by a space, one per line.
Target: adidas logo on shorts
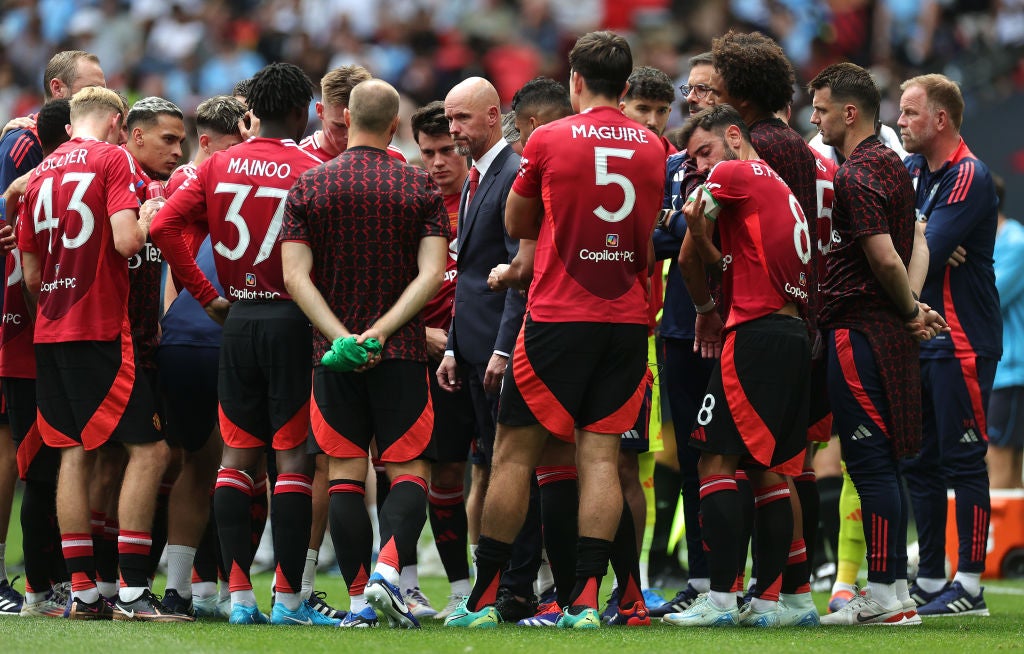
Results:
860 432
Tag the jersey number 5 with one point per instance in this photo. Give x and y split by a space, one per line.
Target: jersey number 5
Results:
234 216
604 178
42 212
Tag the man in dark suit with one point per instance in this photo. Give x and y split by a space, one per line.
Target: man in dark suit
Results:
485 323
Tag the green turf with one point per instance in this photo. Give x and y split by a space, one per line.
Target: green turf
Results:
1003 631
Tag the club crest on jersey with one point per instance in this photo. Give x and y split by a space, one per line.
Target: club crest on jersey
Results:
803 279
250 279
611 241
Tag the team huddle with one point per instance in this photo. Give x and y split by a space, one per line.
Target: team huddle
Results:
264 330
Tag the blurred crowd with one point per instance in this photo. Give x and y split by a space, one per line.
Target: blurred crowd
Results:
188 50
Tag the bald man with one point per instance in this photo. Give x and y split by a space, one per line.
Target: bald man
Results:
374 233
485 323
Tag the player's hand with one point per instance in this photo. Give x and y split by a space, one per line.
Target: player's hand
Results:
372 358
494 279
8 241
149 209
958 257
22 122
694 214
249 126
437 341
495 373
448 374
217 309
927 325
707 340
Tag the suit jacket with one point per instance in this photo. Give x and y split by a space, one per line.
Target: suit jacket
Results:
485 321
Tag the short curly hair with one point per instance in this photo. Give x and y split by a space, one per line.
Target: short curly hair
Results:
755 69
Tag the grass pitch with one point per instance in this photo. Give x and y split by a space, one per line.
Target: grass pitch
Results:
1003 631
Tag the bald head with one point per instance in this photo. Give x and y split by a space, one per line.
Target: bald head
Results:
373 107
474 118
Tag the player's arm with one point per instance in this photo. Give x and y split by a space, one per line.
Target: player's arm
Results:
168 234
430 260
888 268
129 235
523 216
22 122
708 327
917 270
519 273
297 264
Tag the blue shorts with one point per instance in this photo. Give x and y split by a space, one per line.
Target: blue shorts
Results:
1006 418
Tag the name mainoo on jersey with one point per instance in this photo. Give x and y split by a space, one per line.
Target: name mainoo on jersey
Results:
259 168
610 133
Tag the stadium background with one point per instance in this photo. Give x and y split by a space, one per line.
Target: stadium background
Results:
188 50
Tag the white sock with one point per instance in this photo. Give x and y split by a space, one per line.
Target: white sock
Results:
309 572
645 580
204 589
33 598
838 586
700 584
762 605
179 569
107 588
797 600
357 603
246 597
130 593
930 585
724 601
884 594
392 576
461 587
472 557
410 578
3 561
89 595
971 581
291 601
224 592
902 590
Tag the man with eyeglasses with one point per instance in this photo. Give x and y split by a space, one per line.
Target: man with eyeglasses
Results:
686 374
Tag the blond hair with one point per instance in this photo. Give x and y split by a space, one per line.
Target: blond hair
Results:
336 86
942 93
94 100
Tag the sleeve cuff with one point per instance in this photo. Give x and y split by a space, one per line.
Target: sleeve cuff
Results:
449 353
500 353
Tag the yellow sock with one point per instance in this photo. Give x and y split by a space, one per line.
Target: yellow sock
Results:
852 549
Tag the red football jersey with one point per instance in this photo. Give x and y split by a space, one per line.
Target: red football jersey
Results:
825 171
17 355
438 312
240 194
313 144
70 198
766 241
181 174
601 177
